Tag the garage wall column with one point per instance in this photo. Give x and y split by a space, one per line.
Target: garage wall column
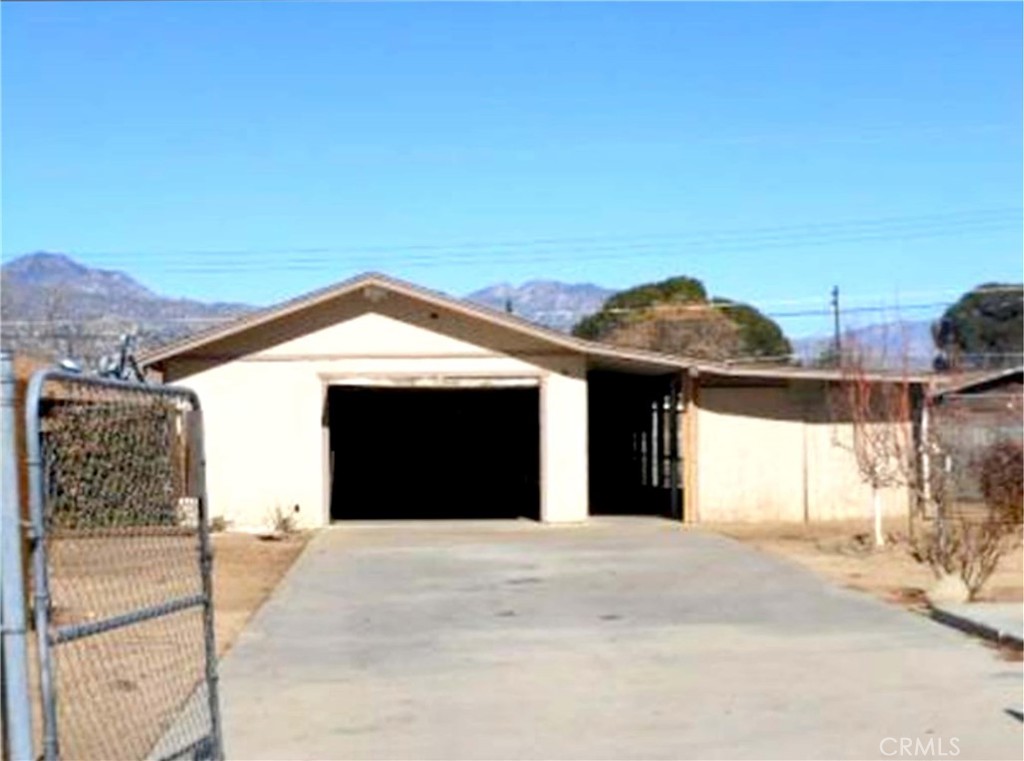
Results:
563 450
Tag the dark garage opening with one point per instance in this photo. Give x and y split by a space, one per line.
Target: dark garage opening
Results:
634 449
416 453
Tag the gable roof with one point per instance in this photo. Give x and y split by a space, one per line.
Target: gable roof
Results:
984 382
602 354
366 282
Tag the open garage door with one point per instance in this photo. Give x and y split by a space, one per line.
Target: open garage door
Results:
634 448
402 453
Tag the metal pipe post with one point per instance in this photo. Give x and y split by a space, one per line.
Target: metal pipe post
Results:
676 505
40 570
17 703
206 565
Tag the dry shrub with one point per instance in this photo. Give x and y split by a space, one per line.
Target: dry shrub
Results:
881 412
689 330
969 547
1001 474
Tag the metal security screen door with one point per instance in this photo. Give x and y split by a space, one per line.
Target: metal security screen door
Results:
121 570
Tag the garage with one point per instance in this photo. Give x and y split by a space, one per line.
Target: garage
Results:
376 399
434 452
633 448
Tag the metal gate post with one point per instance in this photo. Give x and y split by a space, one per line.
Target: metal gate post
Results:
206 566
17 724
675 493
40 572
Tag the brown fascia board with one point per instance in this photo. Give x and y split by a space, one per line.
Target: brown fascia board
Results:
594 349
246 322
813 374
966 385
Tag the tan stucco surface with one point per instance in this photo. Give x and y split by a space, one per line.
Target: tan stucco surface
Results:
757 446
776 454
263 394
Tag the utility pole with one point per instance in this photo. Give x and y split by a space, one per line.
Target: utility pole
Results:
838 346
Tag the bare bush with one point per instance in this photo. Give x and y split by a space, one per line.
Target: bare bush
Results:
969 547
969 540
281 522
881 413
1001 475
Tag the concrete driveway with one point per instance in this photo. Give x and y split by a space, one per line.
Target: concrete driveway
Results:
625 638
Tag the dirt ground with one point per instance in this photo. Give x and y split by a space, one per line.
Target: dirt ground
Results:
839 551
245 571
121 691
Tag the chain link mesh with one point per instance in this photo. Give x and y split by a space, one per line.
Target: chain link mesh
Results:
124 557
966 428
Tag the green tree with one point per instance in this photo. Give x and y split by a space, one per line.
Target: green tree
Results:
983 329
617 309
759 335
676 316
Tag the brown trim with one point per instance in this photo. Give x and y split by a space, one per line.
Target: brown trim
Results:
978 382
652 360
691 453
378 281
372 284
805 472
340 357
806 373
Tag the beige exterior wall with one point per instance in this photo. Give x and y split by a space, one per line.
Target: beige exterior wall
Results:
263 396
773 454
564 474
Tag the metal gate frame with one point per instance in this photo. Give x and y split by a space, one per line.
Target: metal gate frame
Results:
50 636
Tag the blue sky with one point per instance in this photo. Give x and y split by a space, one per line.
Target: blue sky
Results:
249 152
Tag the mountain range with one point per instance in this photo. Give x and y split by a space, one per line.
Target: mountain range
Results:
890 345
48 286
54 306
547 302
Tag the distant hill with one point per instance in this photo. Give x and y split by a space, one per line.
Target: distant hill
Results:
886 344
56 307
546 302
53 306
37 285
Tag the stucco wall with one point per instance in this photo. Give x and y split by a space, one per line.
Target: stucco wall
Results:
263 396
775 454
564 473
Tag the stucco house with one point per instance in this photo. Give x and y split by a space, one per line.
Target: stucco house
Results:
376 398
969 414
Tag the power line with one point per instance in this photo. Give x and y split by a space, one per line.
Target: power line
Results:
700 306
985 220
894 308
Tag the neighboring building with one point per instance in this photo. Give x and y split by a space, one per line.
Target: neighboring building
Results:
379 399
997 391
969 414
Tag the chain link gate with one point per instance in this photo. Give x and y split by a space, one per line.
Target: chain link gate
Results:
121 570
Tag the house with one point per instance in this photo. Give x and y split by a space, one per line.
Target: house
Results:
971 413
1001 389
376 398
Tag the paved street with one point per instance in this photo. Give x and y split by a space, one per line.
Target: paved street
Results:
625 638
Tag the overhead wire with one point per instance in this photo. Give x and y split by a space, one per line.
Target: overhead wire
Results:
610 247
700 306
